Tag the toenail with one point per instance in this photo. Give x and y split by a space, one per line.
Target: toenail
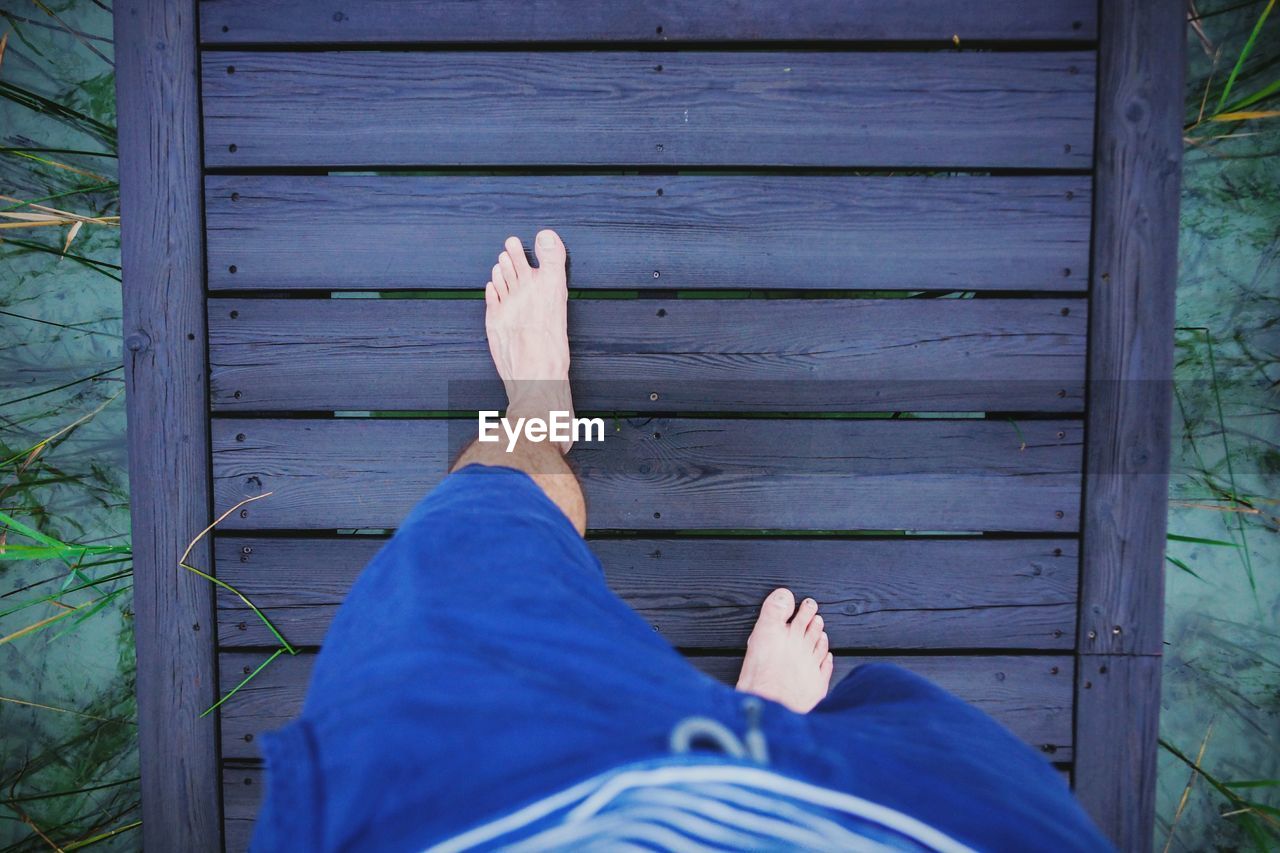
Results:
547 241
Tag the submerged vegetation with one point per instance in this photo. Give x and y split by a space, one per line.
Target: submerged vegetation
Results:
68 762
1219 783
68 755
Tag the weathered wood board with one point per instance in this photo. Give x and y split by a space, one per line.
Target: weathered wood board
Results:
719 231
672 109
695 355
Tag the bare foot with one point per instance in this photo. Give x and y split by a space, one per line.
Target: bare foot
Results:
787 661
526 319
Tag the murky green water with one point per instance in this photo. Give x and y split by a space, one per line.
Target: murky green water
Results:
61 325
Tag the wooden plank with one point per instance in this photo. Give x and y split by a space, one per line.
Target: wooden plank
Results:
698 355
901 593
243 788
1116 727
658 21
404 108
164 362
671 473
1131 329
710 231
1031 694
1134 272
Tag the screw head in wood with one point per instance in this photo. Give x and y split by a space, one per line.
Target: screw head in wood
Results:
653 396
1093 635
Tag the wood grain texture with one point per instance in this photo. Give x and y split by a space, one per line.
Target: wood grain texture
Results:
876 594
368 108
243 788
711 231
1131 328
1117 723
1134 271
678 474
164 360
658 21
698 355
1031 694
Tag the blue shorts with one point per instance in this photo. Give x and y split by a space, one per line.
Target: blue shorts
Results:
481 663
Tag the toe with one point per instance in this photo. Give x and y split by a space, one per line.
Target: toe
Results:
499 281
549 248
778 607
823 646
491 295
518 258
815 629
828 664
508 268
808 609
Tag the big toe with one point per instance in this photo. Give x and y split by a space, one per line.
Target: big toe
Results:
777 608
549 248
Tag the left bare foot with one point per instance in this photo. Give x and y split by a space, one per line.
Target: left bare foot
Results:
526 320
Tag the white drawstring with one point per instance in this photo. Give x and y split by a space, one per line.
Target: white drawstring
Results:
692 729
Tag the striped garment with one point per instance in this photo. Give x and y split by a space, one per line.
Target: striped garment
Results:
703 803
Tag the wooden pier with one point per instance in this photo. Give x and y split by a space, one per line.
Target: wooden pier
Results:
876 298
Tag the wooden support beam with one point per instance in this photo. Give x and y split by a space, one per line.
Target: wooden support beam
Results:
165 376
1137 173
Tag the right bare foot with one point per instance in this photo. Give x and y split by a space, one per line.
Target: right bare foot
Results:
526 320
787 658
